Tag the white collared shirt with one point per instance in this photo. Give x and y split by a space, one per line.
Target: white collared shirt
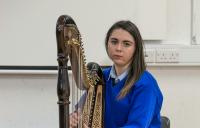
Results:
114 75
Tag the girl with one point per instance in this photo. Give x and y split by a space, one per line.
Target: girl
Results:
132 96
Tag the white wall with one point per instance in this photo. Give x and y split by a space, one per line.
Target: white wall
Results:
178 22
180 86
27 26
28 101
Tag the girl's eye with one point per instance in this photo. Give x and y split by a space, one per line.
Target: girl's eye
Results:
126 44
114 42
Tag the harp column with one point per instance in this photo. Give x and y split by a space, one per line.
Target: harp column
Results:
63 92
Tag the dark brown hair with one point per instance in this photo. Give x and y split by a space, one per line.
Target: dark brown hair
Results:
137 65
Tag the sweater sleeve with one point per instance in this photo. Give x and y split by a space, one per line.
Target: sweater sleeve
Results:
81 102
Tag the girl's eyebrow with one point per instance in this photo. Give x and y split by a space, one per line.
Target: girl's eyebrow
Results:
128 41
113 38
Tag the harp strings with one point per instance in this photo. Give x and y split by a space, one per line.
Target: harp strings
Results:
76 93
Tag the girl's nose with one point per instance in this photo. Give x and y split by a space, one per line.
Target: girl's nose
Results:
119 47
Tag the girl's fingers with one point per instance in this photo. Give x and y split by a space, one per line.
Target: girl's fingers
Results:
74 119
85 126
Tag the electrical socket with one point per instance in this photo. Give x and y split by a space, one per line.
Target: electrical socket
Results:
149 55
167 56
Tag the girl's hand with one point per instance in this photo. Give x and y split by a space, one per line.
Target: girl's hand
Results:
74 119
85 126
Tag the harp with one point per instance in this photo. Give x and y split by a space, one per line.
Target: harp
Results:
88 77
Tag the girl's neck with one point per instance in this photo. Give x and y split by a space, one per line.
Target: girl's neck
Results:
120 69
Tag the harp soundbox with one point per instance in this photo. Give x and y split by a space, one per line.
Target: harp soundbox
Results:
86 76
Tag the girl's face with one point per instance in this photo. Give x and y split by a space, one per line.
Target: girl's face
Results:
121 47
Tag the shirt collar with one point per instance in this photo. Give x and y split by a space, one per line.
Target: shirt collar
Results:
114 75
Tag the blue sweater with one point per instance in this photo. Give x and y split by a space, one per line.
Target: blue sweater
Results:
140 108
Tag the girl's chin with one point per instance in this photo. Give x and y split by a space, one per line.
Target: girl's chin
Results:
118 63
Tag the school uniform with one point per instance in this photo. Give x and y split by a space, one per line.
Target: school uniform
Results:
140 108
